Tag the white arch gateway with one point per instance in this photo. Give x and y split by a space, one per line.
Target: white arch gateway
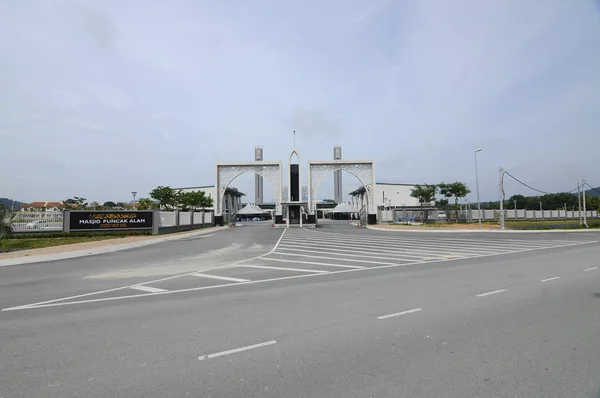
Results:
317 171
361 169
227 172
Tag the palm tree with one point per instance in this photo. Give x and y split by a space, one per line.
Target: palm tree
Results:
7 218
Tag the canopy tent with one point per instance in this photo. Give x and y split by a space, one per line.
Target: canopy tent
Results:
250 209
344 208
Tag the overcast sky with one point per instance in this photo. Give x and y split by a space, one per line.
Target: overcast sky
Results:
100 98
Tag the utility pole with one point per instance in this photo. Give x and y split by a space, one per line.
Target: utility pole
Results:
477 184
579 200
501 184
584 209
134 193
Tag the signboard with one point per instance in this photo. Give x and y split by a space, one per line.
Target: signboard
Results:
109 220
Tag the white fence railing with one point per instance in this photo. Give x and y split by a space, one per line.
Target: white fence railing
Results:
198 218
167 218
185 218
512 214
31 221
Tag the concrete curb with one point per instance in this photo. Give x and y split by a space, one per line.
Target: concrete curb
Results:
496 231
105 249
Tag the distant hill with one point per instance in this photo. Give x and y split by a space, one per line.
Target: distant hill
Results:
10 203
591 192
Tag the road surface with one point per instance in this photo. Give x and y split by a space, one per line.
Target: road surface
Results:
336 311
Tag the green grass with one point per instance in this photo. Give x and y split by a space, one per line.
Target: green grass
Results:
524 224
550 224
37 243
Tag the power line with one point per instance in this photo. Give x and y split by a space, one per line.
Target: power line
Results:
592 188
528 186
532 188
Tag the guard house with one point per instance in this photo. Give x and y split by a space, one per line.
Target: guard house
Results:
294 208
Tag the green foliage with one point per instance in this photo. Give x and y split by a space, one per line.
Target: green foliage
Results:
188 201
555 201
424 194
441 203
592 202
147 204
166 196
7 218
36 243
454 190
109 205
76 202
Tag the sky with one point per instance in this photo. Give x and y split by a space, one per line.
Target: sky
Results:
101 98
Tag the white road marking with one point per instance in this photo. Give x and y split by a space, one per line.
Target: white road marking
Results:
311 273
276 244
284 269
408 246
149 282
409 240
477 243
349 248
250 347
148 289
550 279
332 258
590 269
223 278
316 263
399 247
490 293
283 248
387 236
399 313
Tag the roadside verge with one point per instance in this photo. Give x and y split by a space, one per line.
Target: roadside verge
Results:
92 248
430 230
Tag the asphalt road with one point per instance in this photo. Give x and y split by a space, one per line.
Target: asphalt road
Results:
371 314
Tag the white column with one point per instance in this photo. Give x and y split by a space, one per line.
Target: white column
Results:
229 206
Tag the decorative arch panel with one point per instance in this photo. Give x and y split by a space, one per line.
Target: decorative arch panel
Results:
363 170
227 172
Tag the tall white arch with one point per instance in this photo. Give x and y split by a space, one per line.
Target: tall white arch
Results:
227 172
361 169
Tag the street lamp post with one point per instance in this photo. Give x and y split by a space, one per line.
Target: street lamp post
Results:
134 193
477 184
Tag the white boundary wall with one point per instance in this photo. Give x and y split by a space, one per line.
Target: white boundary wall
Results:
509 214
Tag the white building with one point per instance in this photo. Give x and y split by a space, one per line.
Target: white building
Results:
389 196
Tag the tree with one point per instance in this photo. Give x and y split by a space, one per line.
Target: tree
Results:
94 205
592 202
7 218
166 196
190 201
76 202
147 204
109 205
424 194
454 190
520 200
